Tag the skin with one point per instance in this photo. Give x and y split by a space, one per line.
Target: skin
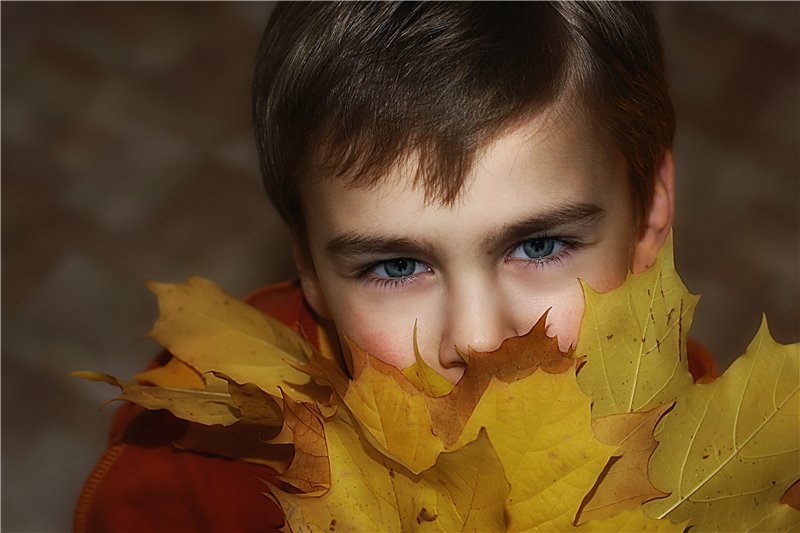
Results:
544 205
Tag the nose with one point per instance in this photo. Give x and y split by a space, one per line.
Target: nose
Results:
478 318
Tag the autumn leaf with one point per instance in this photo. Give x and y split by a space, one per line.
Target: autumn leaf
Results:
412 427
541 428
465 490
634 340
310 468
539 423
209 330
625 484
731 448
177 374
202 406
423 377
515 359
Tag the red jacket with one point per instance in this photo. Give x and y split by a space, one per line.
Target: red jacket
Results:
143 484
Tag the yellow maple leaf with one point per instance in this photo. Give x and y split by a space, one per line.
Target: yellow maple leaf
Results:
464 491
209 330
540 426
423 377
536 426
731 448
634 340
205 407
412 427
393 412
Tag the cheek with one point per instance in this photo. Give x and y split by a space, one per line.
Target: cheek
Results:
387 337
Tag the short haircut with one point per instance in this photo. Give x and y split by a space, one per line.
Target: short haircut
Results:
351 89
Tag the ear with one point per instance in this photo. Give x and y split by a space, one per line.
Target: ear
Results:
309 281
658 221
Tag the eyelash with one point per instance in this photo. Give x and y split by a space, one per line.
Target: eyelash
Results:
386 283
569 245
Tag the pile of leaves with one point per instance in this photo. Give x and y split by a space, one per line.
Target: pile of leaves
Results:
615 436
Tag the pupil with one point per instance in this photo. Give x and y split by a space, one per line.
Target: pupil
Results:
537 248
399 268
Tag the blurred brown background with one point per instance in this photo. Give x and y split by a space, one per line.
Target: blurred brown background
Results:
127 155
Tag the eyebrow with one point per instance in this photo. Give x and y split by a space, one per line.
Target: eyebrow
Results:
357 244
573 214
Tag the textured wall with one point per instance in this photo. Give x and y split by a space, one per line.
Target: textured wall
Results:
127 155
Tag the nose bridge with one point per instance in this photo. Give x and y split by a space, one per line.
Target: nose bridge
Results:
476 318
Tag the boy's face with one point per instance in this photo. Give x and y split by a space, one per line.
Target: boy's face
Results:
544 205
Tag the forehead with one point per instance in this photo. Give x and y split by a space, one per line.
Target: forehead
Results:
544 162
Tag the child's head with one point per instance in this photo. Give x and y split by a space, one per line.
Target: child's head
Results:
462 165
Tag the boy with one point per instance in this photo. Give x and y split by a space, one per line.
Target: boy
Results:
455 166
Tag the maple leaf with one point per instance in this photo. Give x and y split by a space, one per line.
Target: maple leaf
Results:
370 492
540 426
730 449
205 407
625 484
412 427
211 331
310 468
538 423
634 340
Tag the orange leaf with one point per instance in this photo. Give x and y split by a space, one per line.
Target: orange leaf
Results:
625 483
515 359
310 470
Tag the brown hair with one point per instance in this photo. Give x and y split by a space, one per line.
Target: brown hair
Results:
353 88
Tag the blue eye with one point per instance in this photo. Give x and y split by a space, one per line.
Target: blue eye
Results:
539 248
398 268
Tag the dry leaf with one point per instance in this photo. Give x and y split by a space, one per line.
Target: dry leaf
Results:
423 377
310 469
516 358
200 406
625 483
178 375
392 412
731 448
540 426
634 340
209 330
369 492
